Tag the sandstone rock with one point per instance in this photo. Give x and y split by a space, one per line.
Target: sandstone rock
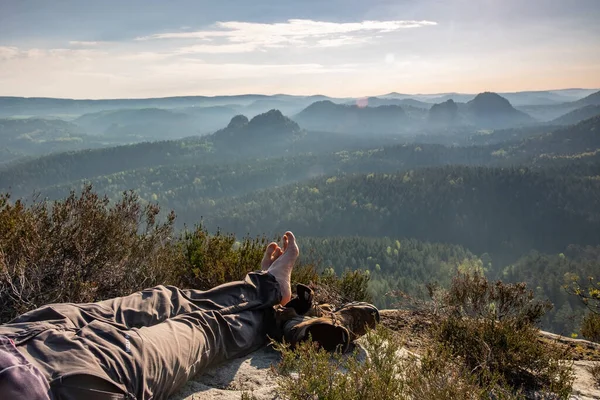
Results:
229 380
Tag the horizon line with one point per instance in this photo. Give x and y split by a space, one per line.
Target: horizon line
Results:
293 95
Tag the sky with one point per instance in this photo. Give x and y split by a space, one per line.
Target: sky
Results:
343 48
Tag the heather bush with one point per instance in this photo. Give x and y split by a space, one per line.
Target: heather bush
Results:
81 249
309 372
491 328
211 260
379 371
350 286
590 327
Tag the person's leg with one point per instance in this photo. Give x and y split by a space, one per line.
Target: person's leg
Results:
155 305
182 346
152 362
156 358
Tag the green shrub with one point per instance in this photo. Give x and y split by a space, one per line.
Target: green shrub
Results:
588 293
351 286
442 376
211 260
491 328
306 274
308 372
81 249
382 372
590 327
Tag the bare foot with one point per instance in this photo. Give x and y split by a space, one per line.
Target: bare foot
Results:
282 266
272 252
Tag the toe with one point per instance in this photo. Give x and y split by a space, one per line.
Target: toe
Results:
268 257
285 242
292 245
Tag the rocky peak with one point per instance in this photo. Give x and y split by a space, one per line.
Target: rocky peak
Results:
270 123
444 112
490 110
273 121
490 103
237 122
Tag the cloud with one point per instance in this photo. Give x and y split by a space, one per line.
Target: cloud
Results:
218 49
8 52
78 43
341 41
120 72
199 69
241 37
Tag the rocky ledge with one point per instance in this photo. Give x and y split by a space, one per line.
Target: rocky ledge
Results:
253 374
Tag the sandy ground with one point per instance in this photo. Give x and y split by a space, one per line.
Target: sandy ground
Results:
251 374
584 387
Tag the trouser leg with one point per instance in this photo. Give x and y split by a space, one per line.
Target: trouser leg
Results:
150 306
233 320
151 342
179 348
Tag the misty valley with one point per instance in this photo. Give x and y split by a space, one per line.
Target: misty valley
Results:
409 188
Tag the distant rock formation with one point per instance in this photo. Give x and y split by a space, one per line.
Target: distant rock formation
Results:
444 113
327 116
237 122
273 122
270 124
490 110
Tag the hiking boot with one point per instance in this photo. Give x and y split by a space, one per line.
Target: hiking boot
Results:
333 330
325 331
357 317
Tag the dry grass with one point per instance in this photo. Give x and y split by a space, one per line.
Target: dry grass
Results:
594 369
381 372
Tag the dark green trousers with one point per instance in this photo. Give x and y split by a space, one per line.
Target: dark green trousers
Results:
148 344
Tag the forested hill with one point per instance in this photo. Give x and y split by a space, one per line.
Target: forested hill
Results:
592 99
178 172
36 136
577 141
578 115
179 185
265 136
21 178
331 117
502 211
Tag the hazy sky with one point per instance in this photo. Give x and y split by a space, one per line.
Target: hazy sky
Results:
151 48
